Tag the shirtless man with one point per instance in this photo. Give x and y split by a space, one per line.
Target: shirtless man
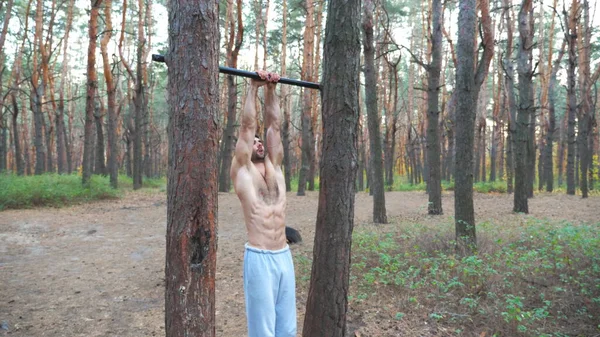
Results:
269 281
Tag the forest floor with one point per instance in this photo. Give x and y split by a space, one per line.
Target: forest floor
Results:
98 269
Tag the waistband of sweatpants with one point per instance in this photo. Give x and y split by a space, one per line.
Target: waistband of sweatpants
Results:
266 251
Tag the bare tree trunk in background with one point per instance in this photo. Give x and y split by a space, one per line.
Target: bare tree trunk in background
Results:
16 139
373 119
526 109
92 86
468 85
307 72
586 111
192 196
496 118
315 96
48 80
234 43
37 93
434 69
509 84
111 99
450 122
483 126
61 146
100 165
285 127
3 124
548 166
135 127
571 35
146 118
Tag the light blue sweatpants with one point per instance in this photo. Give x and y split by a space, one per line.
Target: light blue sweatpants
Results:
270 292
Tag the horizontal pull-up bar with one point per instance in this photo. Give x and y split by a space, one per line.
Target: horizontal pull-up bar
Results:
251 74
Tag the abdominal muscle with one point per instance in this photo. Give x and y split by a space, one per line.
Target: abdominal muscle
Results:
266 225
264 208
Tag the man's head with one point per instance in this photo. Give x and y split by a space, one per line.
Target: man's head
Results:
258 150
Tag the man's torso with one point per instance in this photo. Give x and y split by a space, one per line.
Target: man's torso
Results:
261 191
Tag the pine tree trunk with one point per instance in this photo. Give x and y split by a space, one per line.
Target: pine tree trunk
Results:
192 188
233 47
307 131
16 138
37 95
561 150
92 87
510 165
468 85
285 127
111 99
571 98
373 119
477 151
434 182
100 165
526 107
327 302
511 155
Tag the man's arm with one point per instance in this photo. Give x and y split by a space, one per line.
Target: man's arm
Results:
273 122
245 141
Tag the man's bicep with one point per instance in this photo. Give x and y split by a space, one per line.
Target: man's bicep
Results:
275 147
244 144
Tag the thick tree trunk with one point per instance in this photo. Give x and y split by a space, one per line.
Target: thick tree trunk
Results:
467 87
192 188
373 119
526 108
327 302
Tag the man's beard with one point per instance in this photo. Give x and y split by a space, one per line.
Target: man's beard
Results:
257 158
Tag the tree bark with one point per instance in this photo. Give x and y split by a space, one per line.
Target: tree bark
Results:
526 108
327 302
468 85
434 182
92 87
234 44
307 72
548 165
373 119
192 187
111 99
285 127
571 35
512 102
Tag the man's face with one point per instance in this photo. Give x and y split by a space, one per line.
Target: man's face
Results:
258 150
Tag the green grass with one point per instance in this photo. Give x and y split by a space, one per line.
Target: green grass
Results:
401 184
536 279
60 190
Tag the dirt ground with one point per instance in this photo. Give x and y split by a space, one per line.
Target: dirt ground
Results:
97 269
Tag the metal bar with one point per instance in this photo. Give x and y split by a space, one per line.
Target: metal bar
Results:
252 74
